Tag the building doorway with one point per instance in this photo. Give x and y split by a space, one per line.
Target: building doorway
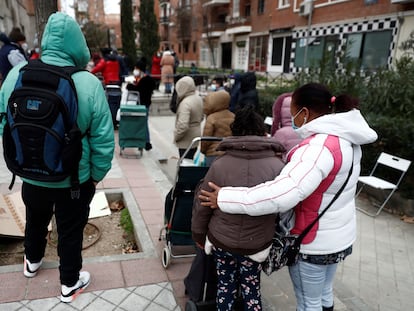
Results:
226 55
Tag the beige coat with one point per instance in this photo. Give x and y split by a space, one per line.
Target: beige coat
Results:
189 113
219 119
167 68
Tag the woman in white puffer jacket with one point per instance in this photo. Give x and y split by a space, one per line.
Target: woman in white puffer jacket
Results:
333 130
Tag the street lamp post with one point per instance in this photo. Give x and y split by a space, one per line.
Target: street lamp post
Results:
305 54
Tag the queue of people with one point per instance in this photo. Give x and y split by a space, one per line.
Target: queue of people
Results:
300 165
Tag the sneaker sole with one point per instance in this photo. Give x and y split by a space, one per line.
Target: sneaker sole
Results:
74 294
26 271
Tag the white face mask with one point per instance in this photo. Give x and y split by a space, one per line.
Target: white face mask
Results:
136 72
24 46
213 87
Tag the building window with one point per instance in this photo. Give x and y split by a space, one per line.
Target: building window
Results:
194 46
257 53
311 51
260 6
371 49
280 55
247 9
283 4
236 8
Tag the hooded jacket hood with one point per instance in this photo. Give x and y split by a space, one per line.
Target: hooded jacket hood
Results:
216 101
349 125
185 87
251 144
4 38
63 42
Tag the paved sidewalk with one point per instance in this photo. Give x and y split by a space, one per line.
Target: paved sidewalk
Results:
377 276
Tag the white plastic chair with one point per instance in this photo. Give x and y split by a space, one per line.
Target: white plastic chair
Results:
386 186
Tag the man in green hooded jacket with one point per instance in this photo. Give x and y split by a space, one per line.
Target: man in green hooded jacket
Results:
63 44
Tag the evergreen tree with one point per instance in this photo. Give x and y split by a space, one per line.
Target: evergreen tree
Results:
128 33
149 39
43 9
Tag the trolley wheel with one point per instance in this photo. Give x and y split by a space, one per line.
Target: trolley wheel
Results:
166 257
190 306
141 151
120 151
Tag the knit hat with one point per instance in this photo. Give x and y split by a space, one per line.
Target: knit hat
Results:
16 35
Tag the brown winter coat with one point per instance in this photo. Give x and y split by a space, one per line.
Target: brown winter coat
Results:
218 121
167 67
189 113
248 161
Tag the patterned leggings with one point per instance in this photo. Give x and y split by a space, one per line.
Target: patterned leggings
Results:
234 272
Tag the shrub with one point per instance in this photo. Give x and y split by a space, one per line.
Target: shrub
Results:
386 100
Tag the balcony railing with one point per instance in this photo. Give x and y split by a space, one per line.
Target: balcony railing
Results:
214 27
207 3
238 25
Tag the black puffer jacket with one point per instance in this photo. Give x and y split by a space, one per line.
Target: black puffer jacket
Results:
248 161
248 94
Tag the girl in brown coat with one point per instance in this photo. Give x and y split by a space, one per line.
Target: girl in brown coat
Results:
239 242
218 121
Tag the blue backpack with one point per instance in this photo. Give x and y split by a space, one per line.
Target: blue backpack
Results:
41 138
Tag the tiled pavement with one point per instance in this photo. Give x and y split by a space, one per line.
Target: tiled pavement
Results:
377 276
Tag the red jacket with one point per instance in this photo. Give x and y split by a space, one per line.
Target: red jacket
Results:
109 69
156 67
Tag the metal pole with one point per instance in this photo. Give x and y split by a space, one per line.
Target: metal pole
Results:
305 56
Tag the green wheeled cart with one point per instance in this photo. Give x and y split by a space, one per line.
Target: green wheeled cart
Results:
132 128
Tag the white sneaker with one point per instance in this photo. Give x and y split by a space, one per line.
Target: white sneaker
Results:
30 269
69 294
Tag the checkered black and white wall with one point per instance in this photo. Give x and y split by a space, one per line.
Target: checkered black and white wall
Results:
341 30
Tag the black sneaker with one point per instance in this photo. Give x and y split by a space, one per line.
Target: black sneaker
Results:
69 294
148 146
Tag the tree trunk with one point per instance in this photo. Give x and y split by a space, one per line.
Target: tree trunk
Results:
43 9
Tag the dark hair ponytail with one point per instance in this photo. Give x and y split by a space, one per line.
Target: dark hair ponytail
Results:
344 103
248 122
318 98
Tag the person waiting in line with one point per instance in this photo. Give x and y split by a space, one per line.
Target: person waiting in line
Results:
108 65
217 84
218 121
156 68
145 85
239 243
282 129
167 71
13 50
63 44
188 117
333 130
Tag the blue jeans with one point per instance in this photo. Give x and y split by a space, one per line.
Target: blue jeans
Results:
313 285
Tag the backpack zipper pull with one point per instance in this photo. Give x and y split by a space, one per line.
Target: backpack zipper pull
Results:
14 110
